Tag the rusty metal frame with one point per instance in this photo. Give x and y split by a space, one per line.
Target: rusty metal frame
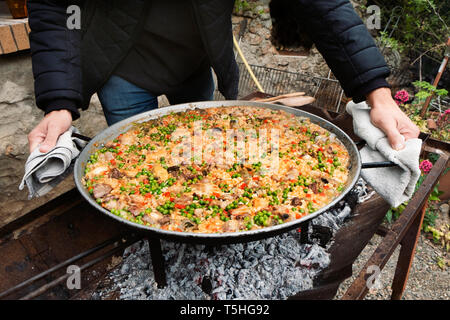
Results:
405 232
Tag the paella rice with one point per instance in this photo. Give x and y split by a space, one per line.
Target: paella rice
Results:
218 170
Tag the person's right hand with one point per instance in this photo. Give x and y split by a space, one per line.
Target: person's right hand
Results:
49 129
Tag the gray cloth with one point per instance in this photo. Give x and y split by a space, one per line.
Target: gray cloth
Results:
44 171
395 184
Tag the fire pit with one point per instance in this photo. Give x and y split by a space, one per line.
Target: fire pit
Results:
37 249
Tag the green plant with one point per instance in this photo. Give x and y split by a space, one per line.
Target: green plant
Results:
386 41
423 24
426 89
441 262
429 220
394 213
431 213
241 5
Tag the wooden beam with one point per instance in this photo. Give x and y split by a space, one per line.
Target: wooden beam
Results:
401 227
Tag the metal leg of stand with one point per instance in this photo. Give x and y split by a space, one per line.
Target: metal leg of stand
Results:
157 261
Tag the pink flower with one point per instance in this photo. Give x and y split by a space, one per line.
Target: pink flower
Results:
425 166
401 96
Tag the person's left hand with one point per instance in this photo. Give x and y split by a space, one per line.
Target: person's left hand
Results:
387 116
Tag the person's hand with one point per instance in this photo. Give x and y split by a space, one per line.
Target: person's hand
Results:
387 116
49 129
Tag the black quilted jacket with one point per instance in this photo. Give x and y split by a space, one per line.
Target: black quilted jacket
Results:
71 65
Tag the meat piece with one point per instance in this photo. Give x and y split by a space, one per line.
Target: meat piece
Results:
127 138
245 175
234 124
314 187
282 212
115 173
135 211
292 174
229 196
164 220
187 174
285 216
241 211
221 203
174 170
296 202
231 226
204 188
156 218
276 177
100 170
160 172
112 203
183 200
101 189
198 212
203 112
207 169
109 156
260 203
187 224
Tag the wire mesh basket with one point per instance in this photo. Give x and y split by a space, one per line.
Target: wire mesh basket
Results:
327 91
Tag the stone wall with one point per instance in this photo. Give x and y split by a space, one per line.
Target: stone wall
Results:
18 116
258 50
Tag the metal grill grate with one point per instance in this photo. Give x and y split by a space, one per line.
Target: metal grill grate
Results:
327 91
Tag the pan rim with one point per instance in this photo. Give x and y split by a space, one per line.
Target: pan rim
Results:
114 130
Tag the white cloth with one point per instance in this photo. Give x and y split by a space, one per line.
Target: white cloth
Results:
395 184
44 171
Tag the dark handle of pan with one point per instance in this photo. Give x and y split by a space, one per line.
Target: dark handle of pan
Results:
381 164
371 165
80 136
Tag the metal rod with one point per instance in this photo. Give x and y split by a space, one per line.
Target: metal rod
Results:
60 265
157 261
381 164
55 282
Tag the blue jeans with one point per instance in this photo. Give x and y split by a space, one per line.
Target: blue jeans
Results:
121 99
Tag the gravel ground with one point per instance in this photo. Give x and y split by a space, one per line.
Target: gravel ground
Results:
426 280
